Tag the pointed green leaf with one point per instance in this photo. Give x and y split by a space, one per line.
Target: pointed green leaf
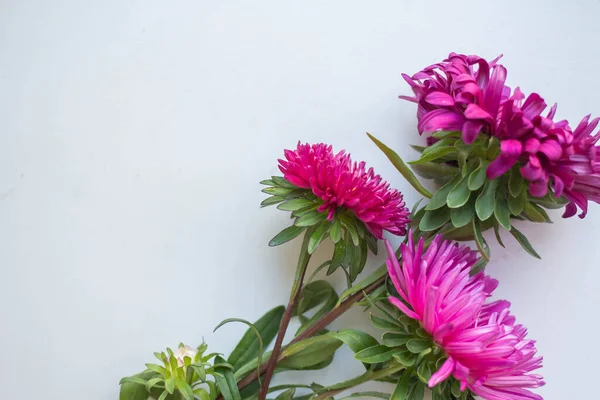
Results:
434 155
277 191
170 385
271 200
440 197
401 167
356 340
501 211
376 275
375 354
406 358
477 177
281 181
225 381
318 236
309 352
462 216
516 183
459 195
185 389
524 242
335 233
250 344
311 218
295 204
482 245
435 171
286 395
163 395
532 213
498 237
267 182
339 253
418 345
447 134
484 205
516 205
401 391
135 390
286 235
392 339
435 219
385 324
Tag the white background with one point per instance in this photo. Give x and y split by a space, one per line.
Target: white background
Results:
133 135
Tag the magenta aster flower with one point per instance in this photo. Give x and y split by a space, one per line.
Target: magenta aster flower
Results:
343 184
462 93
487 352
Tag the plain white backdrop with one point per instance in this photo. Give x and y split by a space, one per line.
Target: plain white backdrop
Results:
133 135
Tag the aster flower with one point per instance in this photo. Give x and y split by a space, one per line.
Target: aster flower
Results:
342 184
487 352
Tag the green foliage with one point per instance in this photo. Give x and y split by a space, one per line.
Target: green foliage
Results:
178 375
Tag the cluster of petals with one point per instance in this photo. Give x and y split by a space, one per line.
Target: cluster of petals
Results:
469 94
487 351
343 184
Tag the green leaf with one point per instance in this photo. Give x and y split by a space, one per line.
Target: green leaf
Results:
202 393
401 167
372 243
498 237
385 324
133 379
524 242
418 345
335 233
375 354
286 395
462 216
434 219
268 182
295 204
277 191
355 339
484 205
434 154
535 213
305 210
440 173
310 218
459 195
395 339
131 390
350 228
318 236
477 177
417 391
170 385
281 181
358 260
370 394
516 182
401 391
455 388
249 345
185 389
406 358
516 205
364 283
163 395
482 245
226 382
424 372
440 197
501 211
157 368
286 235
447 134
153 382
271 200
200 371
309 352
339 253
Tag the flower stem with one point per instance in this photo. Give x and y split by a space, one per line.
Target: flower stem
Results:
303 260
366 377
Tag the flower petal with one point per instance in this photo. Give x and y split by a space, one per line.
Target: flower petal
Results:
439 99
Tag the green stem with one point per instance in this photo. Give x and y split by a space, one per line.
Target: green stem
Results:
366 377
303 260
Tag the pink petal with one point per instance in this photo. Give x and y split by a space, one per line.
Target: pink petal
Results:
551 149
473 111
440 120
439 99
538 188
470 130
442 374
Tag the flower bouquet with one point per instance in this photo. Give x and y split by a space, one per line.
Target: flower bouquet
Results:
498 159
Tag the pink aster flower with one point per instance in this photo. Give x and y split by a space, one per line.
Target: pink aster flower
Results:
343 184
487 352
462 93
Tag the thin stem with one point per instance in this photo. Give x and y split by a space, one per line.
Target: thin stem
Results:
303 260
366 377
